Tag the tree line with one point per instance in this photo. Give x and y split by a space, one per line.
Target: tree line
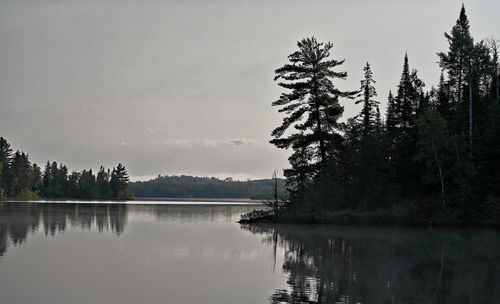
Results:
434 157
185 186
19 178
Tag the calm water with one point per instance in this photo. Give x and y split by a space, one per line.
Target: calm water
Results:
124 253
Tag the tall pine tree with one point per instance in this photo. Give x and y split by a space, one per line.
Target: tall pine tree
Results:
312 107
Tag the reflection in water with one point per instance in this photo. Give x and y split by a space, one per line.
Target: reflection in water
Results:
18 220
373 265
198 254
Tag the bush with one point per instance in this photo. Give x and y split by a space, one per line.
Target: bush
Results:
28 195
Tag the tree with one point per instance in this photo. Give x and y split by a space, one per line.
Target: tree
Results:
36 184
72 188
494 45
47 181
102 183
407 103
21 172
434 145
118 183
312 107
5 151
456 60
409 98
1 189
370 106
442 98
392 118
277 202
5 159
86 184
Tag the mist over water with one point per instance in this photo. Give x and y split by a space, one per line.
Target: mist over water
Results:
118 253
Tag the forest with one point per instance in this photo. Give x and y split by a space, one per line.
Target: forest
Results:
21 179
433 158
185 186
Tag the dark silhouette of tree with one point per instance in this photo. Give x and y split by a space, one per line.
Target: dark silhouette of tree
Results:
5 159
420 161
22 173
312 107
118 183
21 179
369 105
102 183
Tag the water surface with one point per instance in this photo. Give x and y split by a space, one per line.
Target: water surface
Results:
197 253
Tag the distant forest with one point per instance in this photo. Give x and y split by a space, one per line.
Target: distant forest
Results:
184 186
21 179
435 158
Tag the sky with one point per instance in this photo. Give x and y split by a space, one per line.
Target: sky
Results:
185 87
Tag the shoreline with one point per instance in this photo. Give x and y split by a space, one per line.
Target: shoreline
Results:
374 218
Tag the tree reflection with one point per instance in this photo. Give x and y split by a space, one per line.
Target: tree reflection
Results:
18 220
326 264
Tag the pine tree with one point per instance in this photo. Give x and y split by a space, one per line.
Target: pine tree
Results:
457 59
21 173
391 116
36 184
442 98
102 183
47 181
409 98
457 62
367 92
73 190
5 159
5 152
86 184
118 183
434 148
312 107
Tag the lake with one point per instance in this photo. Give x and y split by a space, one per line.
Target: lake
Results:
178 252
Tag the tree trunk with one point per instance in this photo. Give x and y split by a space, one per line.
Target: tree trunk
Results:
442 266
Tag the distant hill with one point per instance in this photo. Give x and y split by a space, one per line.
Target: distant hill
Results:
185 186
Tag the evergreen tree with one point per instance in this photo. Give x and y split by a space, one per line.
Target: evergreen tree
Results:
47 181
442 98
494 47
370 106
102 183
408 100
1 189
86 185
21 172
119 182
5 152
456 60
312 108
5 159
72 186
36 179
391 116
434 148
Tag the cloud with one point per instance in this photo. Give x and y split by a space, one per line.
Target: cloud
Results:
243 141
127 144
207 142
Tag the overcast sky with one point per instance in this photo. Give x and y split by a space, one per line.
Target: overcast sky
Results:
172 87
